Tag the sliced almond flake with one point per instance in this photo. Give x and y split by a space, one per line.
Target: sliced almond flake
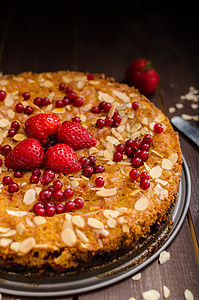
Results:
117 134
125 228
111 223
5 242
102 231
94 223
166 292
158 189
155 172
4 123
188 295
121 209
122 106
69 237
84 178
83 118
10 113
68 217
137 276
9 233
46 247
173 158
78 221
135 192
66 79
93 150
48 83
74 183
80 84
157 153
159 118
131 298
113 140
107 192
20 228
15 246
135 135
151 125
4 229
82 236
141 204
109 147
135 127
8 101
167 164
60 110
111 111
49 107
108 155
121 128
29 222
172 109
93 82
124 163
16 213
164 257
4 82
144 121
19 137
131 114
105 97
18 79
144 131
146 166
109 213
121 96
27 245
164 194
39 220
151 295
163 182
29 197
121 220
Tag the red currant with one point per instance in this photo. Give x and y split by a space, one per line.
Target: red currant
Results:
99 181
118 156
26 96
136 162
50 209
147 139
144 184
95 110
134 174
7 180
79 202
144 175
135 105
2 95
100 123
60 208
88 171
13 187
70 206
158 128
78 101
68 193
19 107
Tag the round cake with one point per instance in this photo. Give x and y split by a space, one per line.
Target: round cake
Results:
88 167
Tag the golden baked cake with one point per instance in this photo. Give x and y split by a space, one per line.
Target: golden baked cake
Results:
87 167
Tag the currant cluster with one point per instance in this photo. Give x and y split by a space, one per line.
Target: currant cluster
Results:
89 166
108 122
134 174
13 130
51 200
70 98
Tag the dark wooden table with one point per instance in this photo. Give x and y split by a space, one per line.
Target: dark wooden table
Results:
105 37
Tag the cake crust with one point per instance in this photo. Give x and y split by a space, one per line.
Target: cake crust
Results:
114 217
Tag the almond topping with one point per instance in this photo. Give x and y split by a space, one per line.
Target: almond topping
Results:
38 220
105 97
109 213
15 246
78 221
29 197
27 245
4 123
107 192
155 172
173 158
141 204
167 164
111 222
19 137
5 242
9 233
48 83
82 236
121 96
20 228
95 223
4 229
60 110
68 237
16 213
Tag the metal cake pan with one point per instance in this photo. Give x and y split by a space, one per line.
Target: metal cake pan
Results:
107 275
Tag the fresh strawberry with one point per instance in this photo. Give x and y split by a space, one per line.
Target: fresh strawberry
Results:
61 158
141 74
26 155
76 136
41 126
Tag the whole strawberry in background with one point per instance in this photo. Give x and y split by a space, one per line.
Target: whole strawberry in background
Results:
27 155
76 136
42 126
61 158
142 75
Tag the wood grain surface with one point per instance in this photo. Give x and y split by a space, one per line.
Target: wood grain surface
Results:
104 37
